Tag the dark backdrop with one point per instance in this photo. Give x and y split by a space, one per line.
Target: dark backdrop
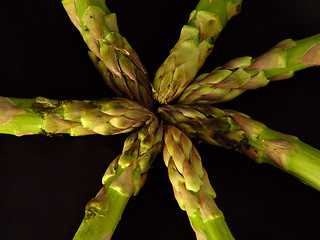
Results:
45 182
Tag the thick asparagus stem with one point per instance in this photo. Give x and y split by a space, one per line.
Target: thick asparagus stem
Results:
124 177
240 74
112 55
235 130
77 118
194 45
192 187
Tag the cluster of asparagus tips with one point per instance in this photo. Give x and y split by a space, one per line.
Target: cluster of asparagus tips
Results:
193 117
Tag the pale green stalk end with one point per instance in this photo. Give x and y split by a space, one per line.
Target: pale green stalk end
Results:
102 216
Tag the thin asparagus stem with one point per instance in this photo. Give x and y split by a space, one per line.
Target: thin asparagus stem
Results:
111 53
240 74
231 129
124 177
46 116
194 46
192 187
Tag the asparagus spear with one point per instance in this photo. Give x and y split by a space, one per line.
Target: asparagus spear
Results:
194 45
124 177
112 55
192 188
20 116
244 73
231 129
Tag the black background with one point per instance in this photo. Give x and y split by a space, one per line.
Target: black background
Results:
45 182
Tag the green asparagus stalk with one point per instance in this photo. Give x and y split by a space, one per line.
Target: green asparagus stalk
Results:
231 129
124 177
77 118
244 73
194 45
112 55
191 186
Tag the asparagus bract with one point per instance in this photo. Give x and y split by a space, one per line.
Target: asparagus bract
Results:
77 118
112 55
192 188
194 45
124 177
231 129
244 73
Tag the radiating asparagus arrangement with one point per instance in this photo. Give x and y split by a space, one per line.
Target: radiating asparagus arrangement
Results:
193 116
